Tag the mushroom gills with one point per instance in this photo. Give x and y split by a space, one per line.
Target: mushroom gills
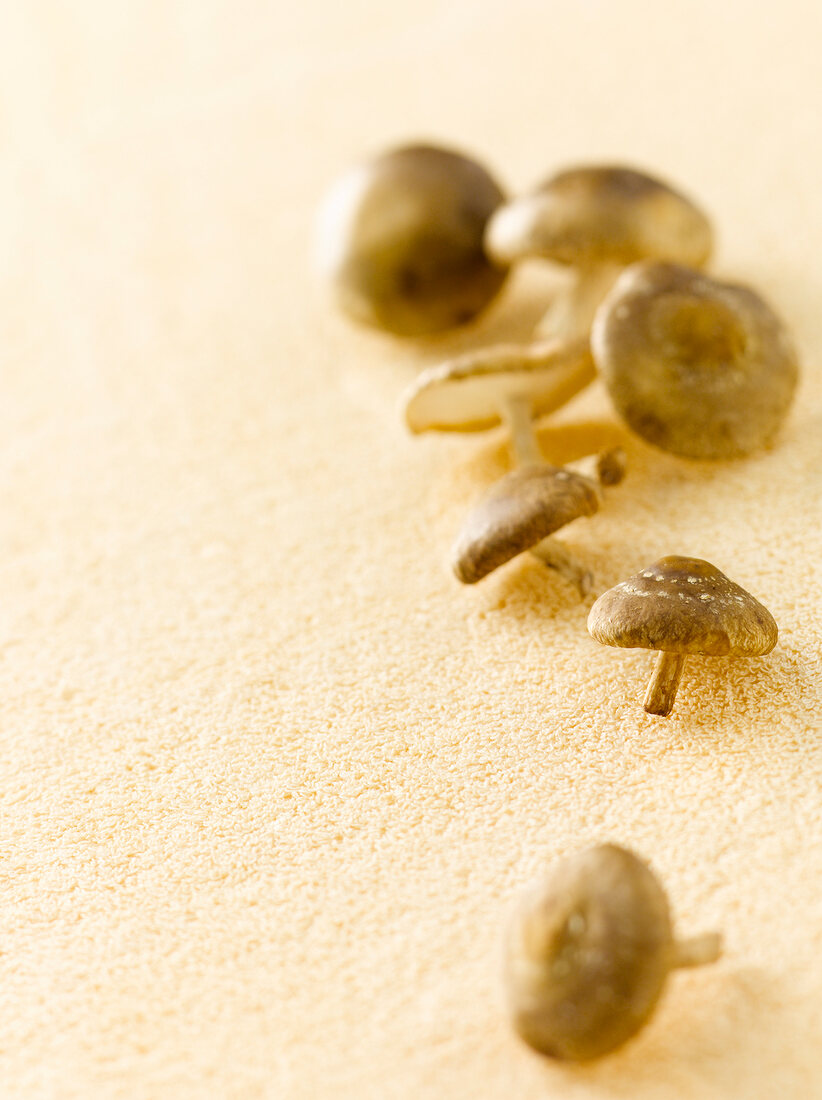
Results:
480 389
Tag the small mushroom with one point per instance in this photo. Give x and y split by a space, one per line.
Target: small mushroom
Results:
681 606
504 383
596 220
525 507
697 367
513 384
399 239
589 953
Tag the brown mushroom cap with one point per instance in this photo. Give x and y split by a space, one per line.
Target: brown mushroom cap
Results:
519 511
400 240
697 367
683 605
468 393
588 954
595 214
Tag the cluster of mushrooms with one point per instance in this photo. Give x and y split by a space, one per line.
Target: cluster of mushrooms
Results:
419 241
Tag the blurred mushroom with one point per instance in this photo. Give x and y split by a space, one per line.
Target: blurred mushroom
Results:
400 240
681 606
504 383
697 367
589 953
523 508
595 220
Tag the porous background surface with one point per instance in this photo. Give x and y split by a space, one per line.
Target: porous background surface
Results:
270 778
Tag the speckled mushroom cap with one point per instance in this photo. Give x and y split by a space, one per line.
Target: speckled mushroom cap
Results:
400 240
683 605
467 393
519 511
697 367
594 214
588 954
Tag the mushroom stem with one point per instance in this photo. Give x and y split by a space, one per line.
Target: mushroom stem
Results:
554 555
518 416
571 313
572 369
697 950
661 693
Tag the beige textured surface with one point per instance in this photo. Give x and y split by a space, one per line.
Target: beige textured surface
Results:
269 777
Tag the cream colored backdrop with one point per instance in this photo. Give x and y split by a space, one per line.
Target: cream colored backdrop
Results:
269 777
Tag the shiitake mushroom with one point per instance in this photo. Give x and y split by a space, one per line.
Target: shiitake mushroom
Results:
594 220
589 953
698 367
680 606
400 240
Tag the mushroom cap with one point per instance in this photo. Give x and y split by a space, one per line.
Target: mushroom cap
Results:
467 393
520 510
400 240
593 214
588 954
683 605
697 367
